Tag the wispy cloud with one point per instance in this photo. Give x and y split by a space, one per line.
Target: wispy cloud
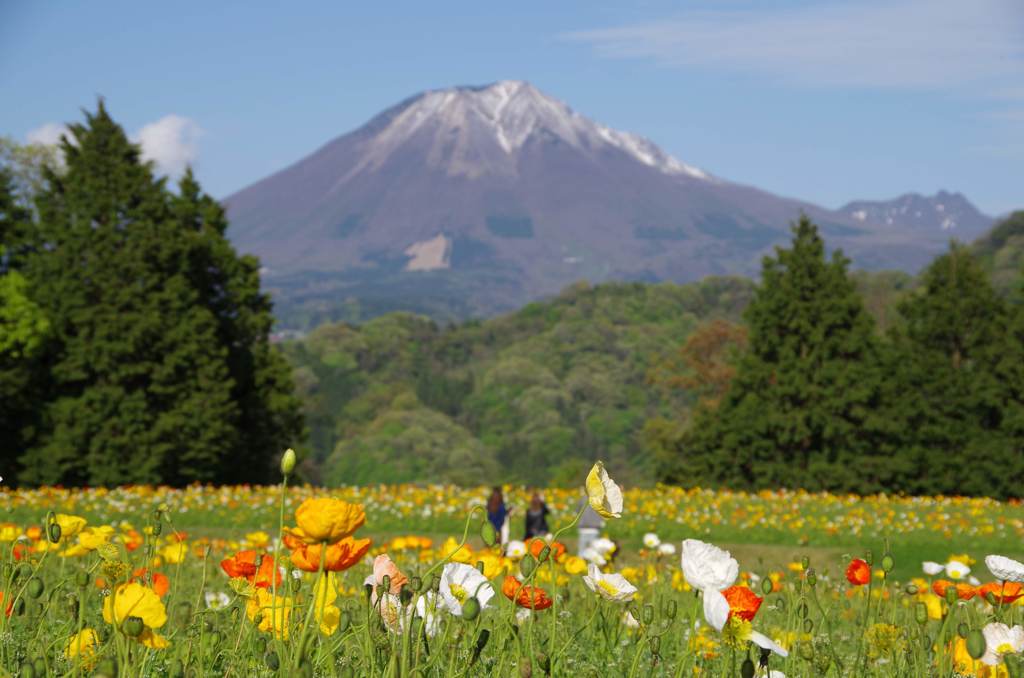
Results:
933 44
172 142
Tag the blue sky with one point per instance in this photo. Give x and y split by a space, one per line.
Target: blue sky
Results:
825 101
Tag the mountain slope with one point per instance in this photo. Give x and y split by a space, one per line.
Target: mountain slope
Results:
474 200
949 212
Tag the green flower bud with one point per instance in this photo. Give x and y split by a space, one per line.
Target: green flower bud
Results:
805 650
951 595
71 604
911 589
812 577
670 609
808 625
648 614
288 462
962 629
53 532
767 585
35 588
480 566
802 609
488 534
385 583
869 557
261 645
747 668
471 608
416 584
888 562
296 585
272 661
921 613
527 565
482 638
81 579
345 621
655 645
975 644
133 626
157 529
780 604
544 553
805 563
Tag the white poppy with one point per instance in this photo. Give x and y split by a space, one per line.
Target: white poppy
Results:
395 615
460 582
667 549
604 495
591 555
957 570
1005 569
427 606
1000 639
612 587
932 568
603 545
515 549
522 614
706 566
651 540
629 620
217 600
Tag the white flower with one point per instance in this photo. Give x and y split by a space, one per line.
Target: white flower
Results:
932 568
973 581
459 583
612 587
515 549
427 606
1005 569
716 611
1000 639
604 495
603 545
591 555
651 540
217 600
395 615
706 566
629 620
522 614
957 570
667 549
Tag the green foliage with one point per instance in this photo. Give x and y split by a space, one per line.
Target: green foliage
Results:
535 395
158 367
799 411
1001 252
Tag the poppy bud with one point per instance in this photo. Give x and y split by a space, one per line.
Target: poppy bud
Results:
780 604
812 577
82 579
482 638
670 609
480 566
888 562
767 586
133 626
655 645
747 668
405 594
53 531
869 557
257 618
975 644
296 585
261 645
471 608
648 614
24 570
951 595
808 625
544 553
385 583
911 589
805 563
368 590
157 529
35 588
72 604
272 662
805 650
488 534
921 613
802 610
416 584
288 462
527 565
345 621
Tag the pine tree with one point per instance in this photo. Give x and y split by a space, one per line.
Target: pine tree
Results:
948 392
144 383
799 411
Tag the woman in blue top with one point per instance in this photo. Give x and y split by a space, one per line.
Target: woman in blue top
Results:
496 510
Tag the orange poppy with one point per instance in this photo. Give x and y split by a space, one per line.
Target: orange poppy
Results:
535 545
160 584
963 591
743 602
257 569
1003 593
337 557
858 573
532 597
35 533
10 604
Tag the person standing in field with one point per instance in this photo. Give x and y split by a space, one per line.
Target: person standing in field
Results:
536 517
497 514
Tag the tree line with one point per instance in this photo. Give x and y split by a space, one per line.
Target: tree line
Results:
133 338
818 397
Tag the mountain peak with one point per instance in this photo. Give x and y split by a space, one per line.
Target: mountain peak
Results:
943 211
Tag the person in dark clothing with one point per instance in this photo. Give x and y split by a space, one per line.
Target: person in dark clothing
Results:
496 510
536 517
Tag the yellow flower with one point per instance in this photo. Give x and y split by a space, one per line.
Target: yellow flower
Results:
174 552
82 644
327 520
325 592
9 532
90 539
273 615
575 565
69 525
258 539
136 600
604 495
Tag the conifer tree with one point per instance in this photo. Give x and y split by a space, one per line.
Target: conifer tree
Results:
799 411
947 391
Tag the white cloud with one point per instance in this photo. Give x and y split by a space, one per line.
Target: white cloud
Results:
171 143
900 43
48 134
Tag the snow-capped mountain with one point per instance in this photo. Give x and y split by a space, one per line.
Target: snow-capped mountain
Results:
944 211
479 199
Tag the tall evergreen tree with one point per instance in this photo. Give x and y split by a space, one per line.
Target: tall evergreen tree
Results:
799 411
947 392
142 387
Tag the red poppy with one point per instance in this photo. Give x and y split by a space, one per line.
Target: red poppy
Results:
535 545
1003 593
257 569
963 591
858 573
743 602
338 556
531 597
160 583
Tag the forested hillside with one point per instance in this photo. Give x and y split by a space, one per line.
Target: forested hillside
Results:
533 396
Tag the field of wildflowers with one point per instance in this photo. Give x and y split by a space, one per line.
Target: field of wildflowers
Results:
407 581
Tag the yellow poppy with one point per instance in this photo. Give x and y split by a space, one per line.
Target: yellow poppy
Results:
327 520
135 600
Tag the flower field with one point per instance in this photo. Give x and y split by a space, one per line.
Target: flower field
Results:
400 580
